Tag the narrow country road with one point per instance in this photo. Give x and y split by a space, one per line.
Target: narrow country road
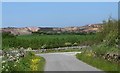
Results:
65 62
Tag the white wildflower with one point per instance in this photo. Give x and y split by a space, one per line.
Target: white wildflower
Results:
6 70
21 48
3 61
17 61
18 54
17 57
15 65
3 67
29 49
8 54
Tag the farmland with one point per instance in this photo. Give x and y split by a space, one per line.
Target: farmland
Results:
47 41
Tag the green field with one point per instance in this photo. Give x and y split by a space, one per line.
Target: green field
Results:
48 41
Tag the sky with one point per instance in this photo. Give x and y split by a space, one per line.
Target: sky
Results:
56 14
60 0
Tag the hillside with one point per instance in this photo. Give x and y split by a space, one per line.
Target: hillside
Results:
29 30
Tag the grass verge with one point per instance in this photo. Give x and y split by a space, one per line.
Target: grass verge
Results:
29 63
99 63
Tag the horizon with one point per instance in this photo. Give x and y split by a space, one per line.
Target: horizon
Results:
56 14
51 26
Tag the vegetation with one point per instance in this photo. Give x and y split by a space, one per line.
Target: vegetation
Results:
105 54
28 62
99 63
39 32
31 63
108 38
48 41
109 33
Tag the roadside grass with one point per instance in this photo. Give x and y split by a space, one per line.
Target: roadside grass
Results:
31 62
99 63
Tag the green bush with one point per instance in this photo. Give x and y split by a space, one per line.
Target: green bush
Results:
109 33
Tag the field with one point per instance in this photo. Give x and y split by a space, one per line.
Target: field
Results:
47 41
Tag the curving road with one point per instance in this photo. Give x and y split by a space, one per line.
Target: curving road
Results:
65 62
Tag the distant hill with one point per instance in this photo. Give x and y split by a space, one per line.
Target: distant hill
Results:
29 30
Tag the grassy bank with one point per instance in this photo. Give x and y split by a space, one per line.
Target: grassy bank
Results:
30 62
99 63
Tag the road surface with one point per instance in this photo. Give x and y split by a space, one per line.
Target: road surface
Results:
65 61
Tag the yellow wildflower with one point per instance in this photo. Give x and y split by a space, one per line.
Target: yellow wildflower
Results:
34 65
35 61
